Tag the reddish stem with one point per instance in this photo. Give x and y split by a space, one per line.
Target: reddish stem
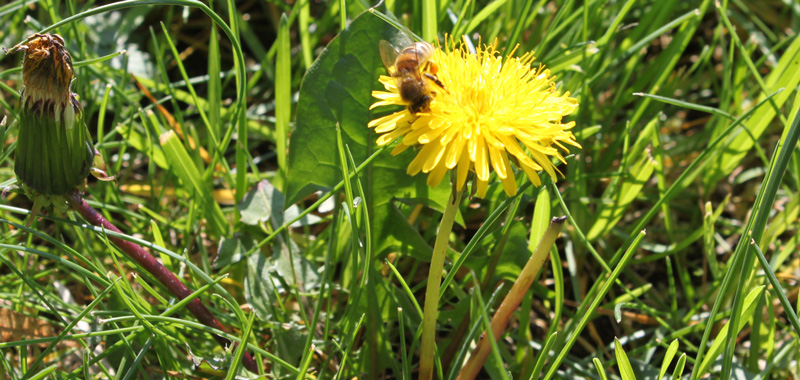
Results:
158 270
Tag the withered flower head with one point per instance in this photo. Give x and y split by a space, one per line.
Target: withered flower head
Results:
46 75
54 148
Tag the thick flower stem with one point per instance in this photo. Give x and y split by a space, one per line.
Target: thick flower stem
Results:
512 300
156 269
431 310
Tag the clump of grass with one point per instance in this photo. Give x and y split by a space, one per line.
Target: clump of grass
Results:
687 126
55 154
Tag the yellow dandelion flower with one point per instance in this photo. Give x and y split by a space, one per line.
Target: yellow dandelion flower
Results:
492 112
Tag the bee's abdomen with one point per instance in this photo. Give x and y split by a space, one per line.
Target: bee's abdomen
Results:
411 89
412 57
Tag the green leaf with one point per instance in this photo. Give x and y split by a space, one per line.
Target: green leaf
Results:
286 266
233 250
292 267
256 206
181 164
259 287
264 201
337 89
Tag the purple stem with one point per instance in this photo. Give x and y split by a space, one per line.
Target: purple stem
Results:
158 270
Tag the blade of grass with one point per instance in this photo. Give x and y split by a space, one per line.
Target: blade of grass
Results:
316 204
214 91
624 365
622 192
689 105
487 226
184 167
283 98
487 11
671 350
598 366
785 75
587 313
430 21
749 306
791 314
304 22
238 355
758 226
503 314
543 355
349 348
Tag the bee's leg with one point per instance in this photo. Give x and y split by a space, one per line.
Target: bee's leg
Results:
436 80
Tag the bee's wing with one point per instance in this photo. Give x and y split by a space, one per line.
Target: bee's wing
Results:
388 55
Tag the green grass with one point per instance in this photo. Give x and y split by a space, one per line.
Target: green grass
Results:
688 120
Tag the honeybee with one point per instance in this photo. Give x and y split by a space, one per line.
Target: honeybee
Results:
414 73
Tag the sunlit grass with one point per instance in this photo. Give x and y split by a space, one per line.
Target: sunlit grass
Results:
687 121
